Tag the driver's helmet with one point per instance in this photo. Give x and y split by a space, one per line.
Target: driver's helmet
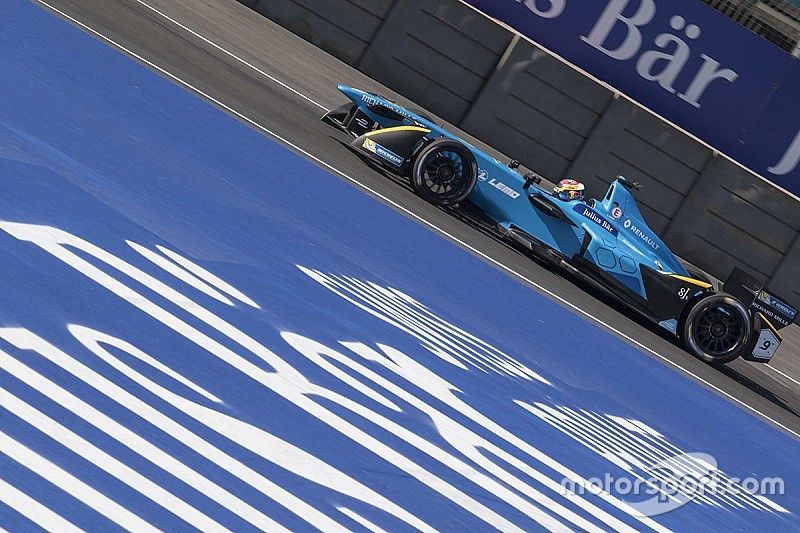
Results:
570 190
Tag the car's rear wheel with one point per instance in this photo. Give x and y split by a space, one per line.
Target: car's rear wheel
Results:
444 172
717 329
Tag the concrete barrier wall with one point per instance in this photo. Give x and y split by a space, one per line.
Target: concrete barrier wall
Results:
732 218
537 110
440 52
343 28
632 142
528 104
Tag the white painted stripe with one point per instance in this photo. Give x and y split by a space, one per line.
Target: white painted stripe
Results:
106 462
131 440
72 485
208 277
422 220
33 510
363 522
179 272
284 379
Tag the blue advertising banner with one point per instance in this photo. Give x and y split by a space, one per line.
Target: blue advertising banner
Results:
685 61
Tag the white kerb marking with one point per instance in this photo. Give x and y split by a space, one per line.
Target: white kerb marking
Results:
77 444
72 485
34 511
208 277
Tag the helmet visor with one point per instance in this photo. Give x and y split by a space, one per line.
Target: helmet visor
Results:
571 195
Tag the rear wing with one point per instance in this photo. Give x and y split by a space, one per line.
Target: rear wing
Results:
769 312
752 293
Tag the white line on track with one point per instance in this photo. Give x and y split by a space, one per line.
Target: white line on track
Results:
782 373
405 210
234 56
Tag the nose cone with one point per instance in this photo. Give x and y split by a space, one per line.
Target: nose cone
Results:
350 92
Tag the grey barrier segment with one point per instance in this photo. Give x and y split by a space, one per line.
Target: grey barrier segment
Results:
343 28
439 52
785 280
536 110
508 92
732 219
631 142
563 124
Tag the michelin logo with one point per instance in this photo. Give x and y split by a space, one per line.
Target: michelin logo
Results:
777 304
389 155
592 215
629 225
382 152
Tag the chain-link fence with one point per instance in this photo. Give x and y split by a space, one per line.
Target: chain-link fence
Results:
778 21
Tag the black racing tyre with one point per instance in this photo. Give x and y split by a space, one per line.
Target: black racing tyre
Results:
444 172
717 329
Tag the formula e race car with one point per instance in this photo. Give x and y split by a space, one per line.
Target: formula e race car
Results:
604 242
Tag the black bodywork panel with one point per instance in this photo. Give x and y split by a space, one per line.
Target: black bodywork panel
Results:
752 293
667 296
394 147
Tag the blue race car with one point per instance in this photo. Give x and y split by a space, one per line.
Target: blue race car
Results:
605 242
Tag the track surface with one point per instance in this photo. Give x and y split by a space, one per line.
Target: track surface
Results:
271 51
200 329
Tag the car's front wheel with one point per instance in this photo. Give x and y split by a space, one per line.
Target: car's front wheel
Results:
444 172
717 329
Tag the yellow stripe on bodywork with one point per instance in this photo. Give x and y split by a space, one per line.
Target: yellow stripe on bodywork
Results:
397 128
770 326
693 281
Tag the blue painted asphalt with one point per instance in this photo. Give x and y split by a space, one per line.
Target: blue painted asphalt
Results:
95 145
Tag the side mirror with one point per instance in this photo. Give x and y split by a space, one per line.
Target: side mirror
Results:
514 164
530 179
